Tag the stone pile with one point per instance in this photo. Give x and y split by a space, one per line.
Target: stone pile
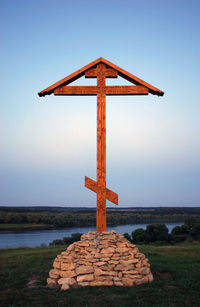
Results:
100 259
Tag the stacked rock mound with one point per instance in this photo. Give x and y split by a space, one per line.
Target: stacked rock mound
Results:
100 259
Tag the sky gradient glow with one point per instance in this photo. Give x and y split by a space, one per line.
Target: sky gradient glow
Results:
48 144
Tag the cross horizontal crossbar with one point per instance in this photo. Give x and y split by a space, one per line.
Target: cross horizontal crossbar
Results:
109 73
94 90
92 185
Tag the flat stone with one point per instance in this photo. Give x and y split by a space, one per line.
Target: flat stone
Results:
51 281
83 244
54 273
123 267
118 283
101 283
90 250
100 263
116 255
98 272
89 257
97 255
84 283
110 239
128 282
136 272
121 244
68 281
67 274
70 247
67 266
105 259
65 287
83 252
141 255
144 271
141 281
113 262
122 250
108 267
127 262
85 263
150 277
84 269
109 250
135 277
87 277
103 277
116 278
63 254
56 264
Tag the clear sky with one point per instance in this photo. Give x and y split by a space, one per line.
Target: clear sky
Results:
48 144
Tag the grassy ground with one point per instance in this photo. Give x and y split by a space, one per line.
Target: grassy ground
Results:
176 271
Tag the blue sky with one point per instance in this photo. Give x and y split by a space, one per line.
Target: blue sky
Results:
48 144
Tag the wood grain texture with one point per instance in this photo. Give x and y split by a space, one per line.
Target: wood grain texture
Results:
94 90
80 72
101 149
109 73
76 91
92 185
127 90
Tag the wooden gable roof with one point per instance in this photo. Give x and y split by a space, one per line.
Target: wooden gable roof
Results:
80 72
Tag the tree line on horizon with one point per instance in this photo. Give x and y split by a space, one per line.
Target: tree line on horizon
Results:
76 219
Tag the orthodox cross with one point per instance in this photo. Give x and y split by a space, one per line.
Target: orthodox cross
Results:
101 69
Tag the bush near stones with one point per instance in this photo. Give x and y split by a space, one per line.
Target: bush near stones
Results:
67 240
158 233
140 236
128 237
100 259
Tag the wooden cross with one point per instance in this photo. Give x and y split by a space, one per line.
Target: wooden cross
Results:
101 69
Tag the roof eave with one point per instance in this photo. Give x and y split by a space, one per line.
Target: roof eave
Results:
80 72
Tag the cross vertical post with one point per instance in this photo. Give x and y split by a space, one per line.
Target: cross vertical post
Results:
101 149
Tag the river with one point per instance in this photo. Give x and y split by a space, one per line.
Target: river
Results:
36 238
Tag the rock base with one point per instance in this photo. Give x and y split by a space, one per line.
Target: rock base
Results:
100 259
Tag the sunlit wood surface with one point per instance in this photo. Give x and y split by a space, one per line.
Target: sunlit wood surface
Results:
101 69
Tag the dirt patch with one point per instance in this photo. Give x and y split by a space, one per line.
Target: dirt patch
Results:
33 281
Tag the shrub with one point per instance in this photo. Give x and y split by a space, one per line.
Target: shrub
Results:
157 232
180 230
127 236
140 236
67 240
56 242
76 236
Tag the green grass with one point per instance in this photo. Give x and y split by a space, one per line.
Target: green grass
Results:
176 270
